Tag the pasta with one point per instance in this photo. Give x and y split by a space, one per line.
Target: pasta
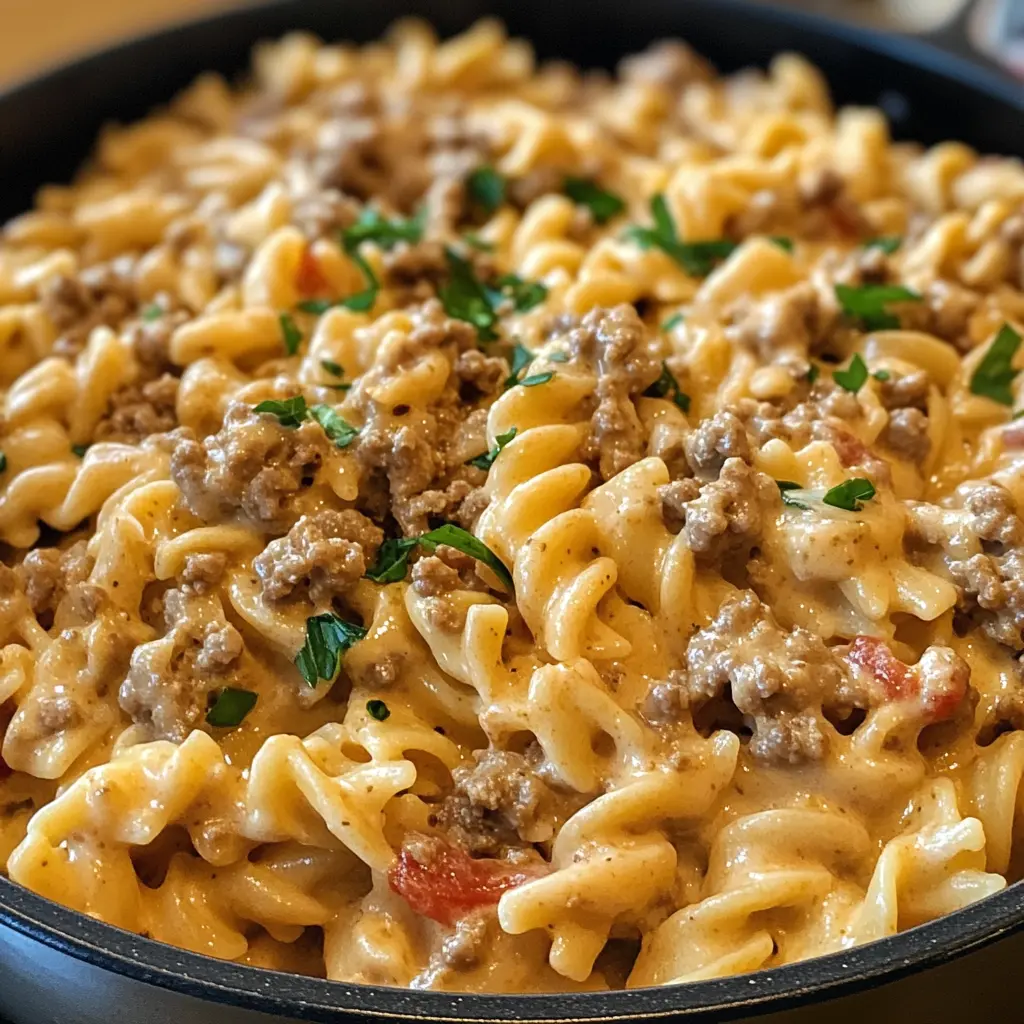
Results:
482 526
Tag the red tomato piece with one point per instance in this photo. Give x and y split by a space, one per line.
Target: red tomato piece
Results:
309 279
451 884
872 654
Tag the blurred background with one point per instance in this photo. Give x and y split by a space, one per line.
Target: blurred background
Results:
40 32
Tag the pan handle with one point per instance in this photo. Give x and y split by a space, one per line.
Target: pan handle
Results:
980 30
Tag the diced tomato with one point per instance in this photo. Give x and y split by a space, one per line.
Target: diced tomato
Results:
872 654
309 279
452 884
851 450
939 682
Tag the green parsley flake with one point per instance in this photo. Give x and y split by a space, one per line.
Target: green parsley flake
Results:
290 412
536 378
332 368
392 560
486 460
813 373
603 205
698 259
3 462
867 303
521 359
673 322
378 709
340 431
230 707
558 357
465 298
524 295
462 540
849 495
887 243
784 243
882 375
487 189
995 373
854 377
152 312
471 238
291 333
666 386
80 450
328 637
373 227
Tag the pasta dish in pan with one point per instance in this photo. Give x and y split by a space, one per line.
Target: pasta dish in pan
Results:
484 526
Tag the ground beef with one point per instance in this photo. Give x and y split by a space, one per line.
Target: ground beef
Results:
411 265
905 391
726 517
667 700
778 679
995 585
169 680
994 515
151 341
616 344
48 575
460 502
669 63
945 311
907 434
322 555
714 441
102 294
499 802
675 496
137 411
789 323
203 570
252 465
464 948
416 470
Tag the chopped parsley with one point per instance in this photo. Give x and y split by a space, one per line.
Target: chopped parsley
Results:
230 707
813 373
887 243
462 540
486 460
79 450
335 370
784 243
867 303
523 294
698 259
465 298
521 359
673 322
471 238
151 312
392 560
536 378
487 189
372 227
666 386
882 375
854 377
328 637
558 357
995 373
848 495
362 301
290 412
291 333
3 462
378 709
603 205
340 431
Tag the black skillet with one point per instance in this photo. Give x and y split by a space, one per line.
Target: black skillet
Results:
58 966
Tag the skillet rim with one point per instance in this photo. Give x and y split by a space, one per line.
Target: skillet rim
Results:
145 960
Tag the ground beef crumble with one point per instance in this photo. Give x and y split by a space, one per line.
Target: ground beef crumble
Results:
322 555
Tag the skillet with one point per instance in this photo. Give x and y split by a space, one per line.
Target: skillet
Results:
56 965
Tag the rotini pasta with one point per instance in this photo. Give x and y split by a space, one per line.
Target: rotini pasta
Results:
476 526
